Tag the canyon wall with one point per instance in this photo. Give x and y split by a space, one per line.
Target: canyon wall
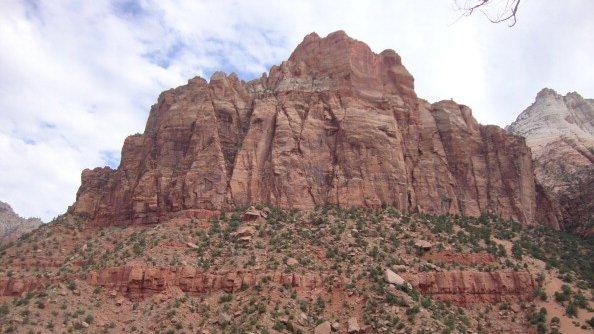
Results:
334 124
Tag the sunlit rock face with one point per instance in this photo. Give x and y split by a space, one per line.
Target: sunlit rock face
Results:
334 124
560 131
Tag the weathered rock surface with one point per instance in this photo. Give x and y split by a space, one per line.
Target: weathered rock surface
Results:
560 131
323 328
334 124
467 287
12 226
393 278
141 280
467 259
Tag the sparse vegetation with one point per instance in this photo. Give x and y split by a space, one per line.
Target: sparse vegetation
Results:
346 250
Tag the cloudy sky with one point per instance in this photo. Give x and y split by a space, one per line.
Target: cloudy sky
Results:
77 77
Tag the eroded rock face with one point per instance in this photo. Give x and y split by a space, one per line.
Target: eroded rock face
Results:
140 280
12 226
468 286
16 287
560 131
334 124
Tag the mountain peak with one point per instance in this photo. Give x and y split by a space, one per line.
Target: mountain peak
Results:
349 64
12 226
560 132
545 92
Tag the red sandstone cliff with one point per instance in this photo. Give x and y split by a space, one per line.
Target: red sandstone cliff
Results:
334 124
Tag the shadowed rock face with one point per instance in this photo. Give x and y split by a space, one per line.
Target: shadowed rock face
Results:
560 131
334 124
12 226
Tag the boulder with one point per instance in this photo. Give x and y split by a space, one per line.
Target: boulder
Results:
253 214
353 325
336 326
323 328
393 278
423 245
245 231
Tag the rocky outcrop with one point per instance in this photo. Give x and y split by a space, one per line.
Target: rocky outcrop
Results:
139 280
465 259
467 287
560 131
334 124
12 226
10 286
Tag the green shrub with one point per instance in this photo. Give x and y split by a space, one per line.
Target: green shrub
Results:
517 251
571 310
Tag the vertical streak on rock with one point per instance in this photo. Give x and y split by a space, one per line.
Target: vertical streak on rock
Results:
334 124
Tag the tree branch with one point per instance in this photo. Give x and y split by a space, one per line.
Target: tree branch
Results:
507 11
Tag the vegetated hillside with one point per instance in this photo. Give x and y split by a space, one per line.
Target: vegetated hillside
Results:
13 226
560 131
280 271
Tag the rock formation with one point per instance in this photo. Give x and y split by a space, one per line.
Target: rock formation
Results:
466 287
139 280
560 131
12 226
334 124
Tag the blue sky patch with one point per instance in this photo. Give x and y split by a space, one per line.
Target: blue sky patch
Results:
111 158
128 8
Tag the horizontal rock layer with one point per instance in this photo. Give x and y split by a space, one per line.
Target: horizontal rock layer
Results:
137 281
140 280
467 287
335 124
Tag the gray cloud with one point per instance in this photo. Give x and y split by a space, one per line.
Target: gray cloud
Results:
79 76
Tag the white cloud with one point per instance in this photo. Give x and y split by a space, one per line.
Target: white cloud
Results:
78 76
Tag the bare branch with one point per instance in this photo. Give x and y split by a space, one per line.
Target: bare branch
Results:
506 10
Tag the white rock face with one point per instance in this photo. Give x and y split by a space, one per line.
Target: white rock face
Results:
560 131
13 226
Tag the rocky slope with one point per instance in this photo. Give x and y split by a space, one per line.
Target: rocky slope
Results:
560 131
287 271
12 226
334 124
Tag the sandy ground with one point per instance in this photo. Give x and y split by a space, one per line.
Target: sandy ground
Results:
554 309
